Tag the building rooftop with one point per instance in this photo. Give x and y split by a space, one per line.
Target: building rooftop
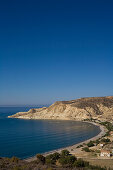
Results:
105 151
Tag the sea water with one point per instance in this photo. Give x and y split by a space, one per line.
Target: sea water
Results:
25 138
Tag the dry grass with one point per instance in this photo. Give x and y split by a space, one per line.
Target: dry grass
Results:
101 162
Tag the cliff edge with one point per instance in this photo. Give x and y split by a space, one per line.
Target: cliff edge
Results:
99 108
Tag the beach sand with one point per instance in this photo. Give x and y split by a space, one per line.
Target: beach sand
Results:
73 149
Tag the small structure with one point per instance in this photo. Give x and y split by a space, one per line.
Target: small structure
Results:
111 133
101 144
105 153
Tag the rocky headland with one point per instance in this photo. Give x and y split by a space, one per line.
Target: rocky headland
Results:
98 108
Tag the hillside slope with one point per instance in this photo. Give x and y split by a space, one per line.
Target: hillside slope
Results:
100 108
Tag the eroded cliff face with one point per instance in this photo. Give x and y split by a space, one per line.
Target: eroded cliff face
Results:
100 108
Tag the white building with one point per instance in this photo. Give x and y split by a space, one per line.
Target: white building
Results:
101 144
105 153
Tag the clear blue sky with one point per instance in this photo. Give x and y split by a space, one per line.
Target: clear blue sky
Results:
55 50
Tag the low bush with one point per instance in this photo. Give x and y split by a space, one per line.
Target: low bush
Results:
106 140
97 151
79 146
81 163
108 125
86 149
69 160
49 159
90 144
63 161
97 142
14 159
107 134
52 158
65 153
40 158
56 156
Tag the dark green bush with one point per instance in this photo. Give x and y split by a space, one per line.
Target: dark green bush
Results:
79 146
52 158
50 161
97 142
79 163
56 156
105 140
65 152
40 158
107 134
67 160
86 149
90 144
63 161
108 125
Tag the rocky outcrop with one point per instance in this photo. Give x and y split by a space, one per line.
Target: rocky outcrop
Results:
100 108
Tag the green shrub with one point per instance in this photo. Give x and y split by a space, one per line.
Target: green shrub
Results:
97 151
50 161
63 161
108 125
79 146
92 150
40 158
97 142
90 144
86 149
81 163
65 152
67 160
107 134
71 159
106 140
52 158
55 156
14 159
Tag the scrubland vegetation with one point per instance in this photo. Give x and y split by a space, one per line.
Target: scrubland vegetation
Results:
53 161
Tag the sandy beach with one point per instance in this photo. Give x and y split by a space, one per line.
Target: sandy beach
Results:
73 149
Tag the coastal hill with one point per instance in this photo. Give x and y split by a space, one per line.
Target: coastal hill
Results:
99 108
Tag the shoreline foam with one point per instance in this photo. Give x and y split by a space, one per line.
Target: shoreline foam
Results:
103 131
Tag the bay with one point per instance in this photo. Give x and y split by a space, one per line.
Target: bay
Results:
25 138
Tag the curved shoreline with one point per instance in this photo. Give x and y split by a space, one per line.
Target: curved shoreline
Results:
103 131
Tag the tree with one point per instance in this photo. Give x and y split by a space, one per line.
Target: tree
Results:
90 144
79 163
65 153
40 158
51 159
56 156
105 140
86 149
67 160
71 159
63 161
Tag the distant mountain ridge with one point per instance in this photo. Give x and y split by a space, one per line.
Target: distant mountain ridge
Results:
100 108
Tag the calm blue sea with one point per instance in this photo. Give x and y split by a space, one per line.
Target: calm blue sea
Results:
25 138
